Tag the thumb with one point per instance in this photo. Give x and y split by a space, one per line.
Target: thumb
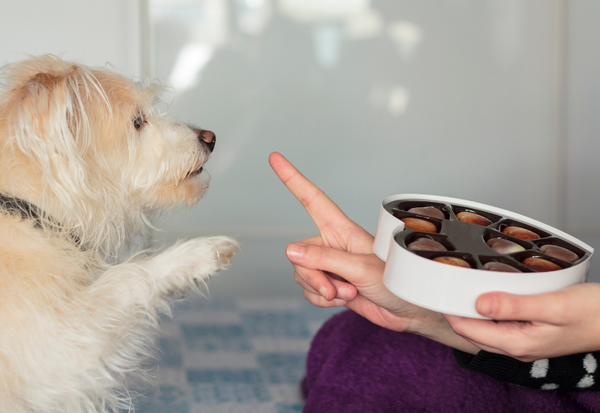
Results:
514 307
347 265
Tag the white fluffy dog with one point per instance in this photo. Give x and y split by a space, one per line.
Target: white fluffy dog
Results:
83 160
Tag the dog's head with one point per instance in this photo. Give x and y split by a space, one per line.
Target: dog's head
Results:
87 147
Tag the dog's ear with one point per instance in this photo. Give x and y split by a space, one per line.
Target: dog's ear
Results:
51 109
49 120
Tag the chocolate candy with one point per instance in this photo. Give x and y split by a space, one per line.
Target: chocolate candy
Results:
428 211
504 246
541 265
426 244
520 233
473 218
458 262
499 266
477 238
559 252
419 224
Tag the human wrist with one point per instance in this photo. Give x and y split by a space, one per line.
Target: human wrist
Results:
434 326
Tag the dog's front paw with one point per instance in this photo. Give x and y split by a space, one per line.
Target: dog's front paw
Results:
225 249
192 262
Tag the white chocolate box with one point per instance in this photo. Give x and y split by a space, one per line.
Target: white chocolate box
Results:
416 278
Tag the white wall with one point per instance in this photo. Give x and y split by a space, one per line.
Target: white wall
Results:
583 117
90 31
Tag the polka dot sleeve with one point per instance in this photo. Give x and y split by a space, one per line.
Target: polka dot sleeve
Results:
569 373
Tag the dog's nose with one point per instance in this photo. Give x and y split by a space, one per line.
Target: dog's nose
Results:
209 138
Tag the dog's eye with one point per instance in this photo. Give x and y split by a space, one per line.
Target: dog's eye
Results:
139 121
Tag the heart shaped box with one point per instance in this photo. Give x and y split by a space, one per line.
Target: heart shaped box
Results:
416 278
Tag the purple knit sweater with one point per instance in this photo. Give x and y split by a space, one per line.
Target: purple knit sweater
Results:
355 366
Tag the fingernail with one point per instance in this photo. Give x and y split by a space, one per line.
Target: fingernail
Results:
295 250
323 292
487 305
339 302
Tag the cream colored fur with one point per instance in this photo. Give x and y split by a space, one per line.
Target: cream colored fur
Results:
85 147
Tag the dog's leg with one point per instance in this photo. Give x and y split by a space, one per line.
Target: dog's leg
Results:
127 298
149 283
173 271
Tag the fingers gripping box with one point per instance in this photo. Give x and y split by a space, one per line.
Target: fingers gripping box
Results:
441 253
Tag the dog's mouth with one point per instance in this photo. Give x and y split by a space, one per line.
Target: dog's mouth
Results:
193 173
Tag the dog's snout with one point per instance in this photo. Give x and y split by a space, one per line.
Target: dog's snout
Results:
209 138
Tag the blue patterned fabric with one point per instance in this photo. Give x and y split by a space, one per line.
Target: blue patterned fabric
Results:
233 356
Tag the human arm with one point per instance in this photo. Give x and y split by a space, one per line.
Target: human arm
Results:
575 369
337 267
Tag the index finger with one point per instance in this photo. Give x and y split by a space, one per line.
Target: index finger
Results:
321 209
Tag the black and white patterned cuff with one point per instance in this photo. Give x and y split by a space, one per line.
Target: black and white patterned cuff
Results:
568 373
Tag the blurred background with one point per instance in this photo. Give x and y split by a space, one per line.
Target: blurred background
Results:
493 101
